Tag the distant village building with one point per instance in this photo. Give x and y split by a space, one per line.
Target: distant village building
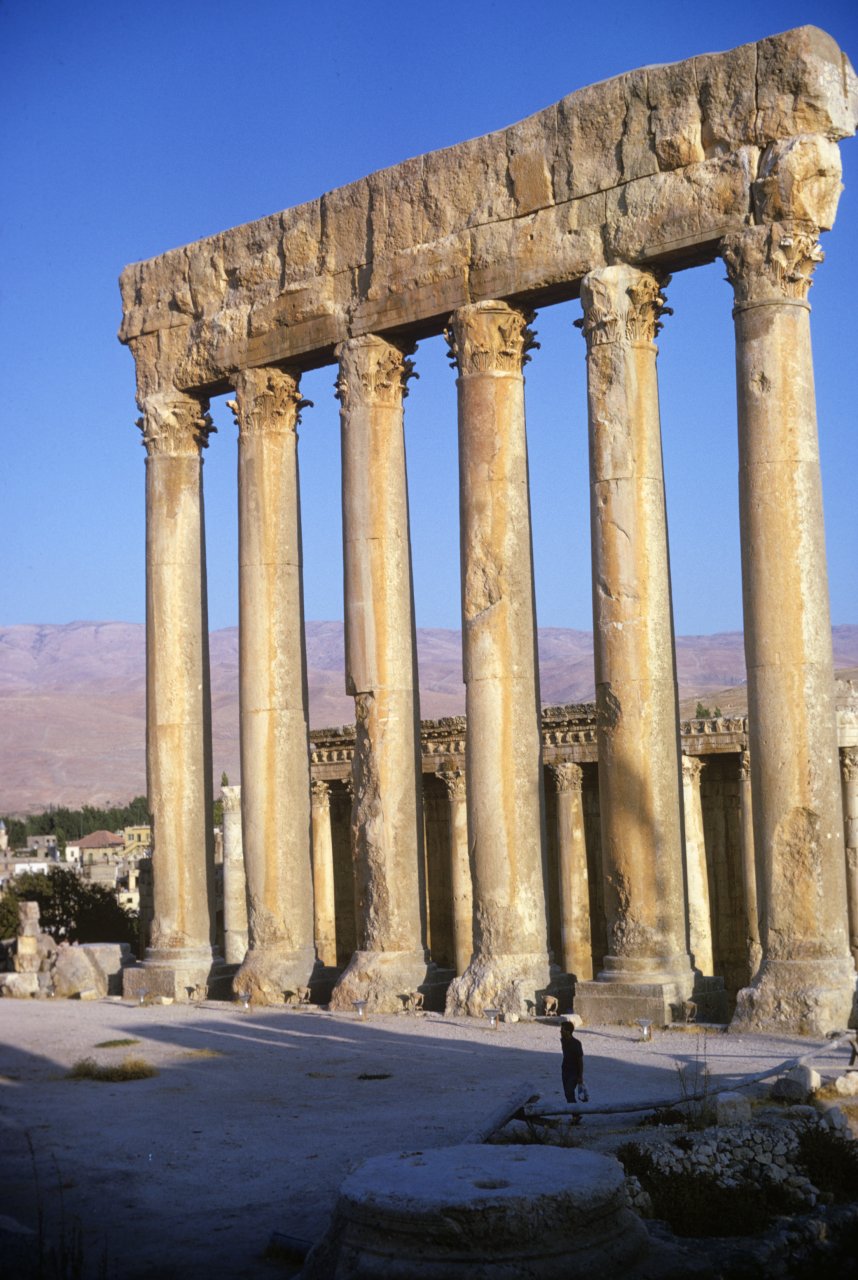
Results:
44 845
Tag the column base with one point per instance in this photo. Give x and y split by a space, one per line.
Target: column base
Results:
633 987
267 975
509 983
800 997
381 978
182 974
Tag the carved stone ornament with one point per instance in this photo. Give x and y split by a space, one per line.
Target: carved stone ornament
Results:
566 775
744 766
692 767
490 337
771 264
174 425
320 793
372 371
267 401
622 304
231 797
849 764
454 783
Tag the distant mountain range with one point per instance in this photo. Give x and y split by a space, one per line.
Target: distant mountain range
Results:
72 697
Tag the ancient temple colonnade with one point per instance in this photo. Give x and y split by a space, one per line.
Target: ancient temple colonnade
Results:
599 197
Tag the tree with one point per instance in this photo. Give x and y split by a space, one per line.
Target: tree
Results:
70 909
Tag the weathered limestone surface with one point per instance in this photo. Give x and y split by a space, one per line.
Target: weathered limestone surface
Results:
576 951
750 875
849 769
807 979
506 818
460 868
234 879
696 874
637 721
324 906
381 674
275 773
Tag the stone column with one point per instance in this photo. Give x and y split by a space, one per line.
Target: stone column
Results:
575 938
849 770
461 885
178 961
274 721
381 674
648 968
506 820
323 873
696 873
234 879
750 894
806 982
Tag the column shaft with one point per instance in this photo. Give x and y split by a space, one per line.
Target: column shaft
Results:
381 674
575 937
696 871
461 885
504 750
849 769
750 894
807 978
323 874
647 967
275 769
234 879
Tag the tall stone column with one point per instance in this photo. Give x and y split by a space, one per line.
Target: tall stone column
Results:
461 886
506 819
274 719
849 770
381 674
806 982
750 894
696 873
324 903
575 939
648 968
179 959
234 879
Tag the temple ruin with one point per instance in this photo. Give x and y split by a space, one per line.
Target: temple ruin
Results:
598 197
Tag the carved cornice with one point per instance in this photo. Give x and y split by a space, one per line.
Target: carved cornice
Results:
622 304
692 767
320 793
772 263
490 337
849 764
372 372
454 782
175 425
566 776
267 401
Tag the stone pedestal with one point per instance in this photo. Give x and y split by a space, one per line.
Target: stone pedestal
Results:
274 719
696 872
381 674
234 879
178 962
806 983
461 885
510 967
324 907
647 970
575 939
750 878
849 770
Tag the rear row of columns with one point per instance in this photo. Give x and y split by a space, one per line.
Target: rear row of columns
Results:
807 977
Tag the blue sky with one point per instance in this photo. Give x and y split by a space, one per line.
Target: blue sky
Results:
129 129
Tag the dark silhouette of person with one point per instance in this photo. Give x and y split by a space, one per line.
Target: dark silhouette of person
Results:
572 1070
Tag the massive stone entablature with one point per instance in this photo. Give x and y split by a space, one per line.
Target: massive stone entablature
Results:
598 196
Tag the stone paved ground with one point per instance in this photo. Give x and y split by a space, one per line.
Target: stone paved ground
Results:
255 1117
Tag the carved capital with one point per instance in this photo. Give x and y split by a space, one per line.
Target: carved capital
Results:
372 372
566 775
490 337
744 766
622 304
175 425
231 799
267 401
692 767
772 263
320 793
454 782
849 764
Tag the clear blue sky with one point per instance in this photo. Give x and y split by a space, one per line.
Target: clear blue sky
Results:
128 129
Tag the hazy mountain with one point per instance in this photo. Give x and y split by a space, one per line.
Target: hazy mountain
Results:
72 698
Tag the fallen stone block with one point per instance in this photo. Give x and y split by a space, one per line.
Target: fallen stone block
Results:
110 958
19 986
74 972
847 1086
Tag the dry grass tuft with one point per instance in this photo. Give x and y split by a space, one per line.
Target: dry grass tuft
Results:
130 1069
202 1053
115 1044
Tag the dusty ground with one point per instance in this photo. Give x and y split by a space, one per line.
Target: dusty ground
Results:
255 1117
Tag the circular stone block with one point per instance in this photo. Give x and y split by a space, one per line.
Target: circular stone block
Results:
481 1213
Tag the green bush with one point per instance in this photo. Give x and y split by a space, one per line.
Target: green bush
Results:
70 909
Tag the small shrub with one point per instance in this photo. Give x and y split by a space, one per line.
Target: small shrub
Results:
130 1069
115 1044
374 1075
698 1204
830 1160
635 1159
663 1116
202 1053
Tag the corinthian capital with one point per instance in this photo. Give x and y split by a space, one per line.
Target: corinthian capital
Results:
454 783
566 775
490 337
622 304
231 799
372 371
692 767
267 401
849 764
772 263
175 425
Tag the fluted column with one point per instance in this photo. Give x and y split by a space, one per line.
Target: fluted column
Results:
575 939
234 879
806 982
647 969
381 674
461 886
274 721
849 770
696 873
750 894
323 873
179 958
489 343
